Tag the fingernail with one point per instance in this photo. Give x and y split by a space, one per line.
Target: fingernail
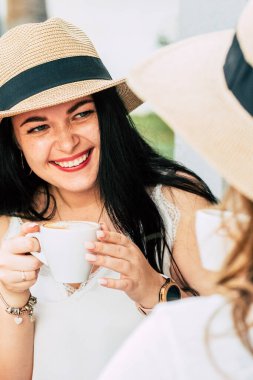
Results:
89 245
102 281
100 234
90 257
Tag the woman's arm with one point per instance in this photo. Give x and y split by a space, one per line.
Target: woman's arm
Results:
185 248
16 340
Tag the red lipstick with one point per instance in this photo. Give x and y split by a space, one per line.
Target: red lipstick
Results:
72 158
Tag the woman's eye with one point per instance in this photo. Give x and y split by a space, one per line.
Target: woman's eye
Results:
37 129
83 114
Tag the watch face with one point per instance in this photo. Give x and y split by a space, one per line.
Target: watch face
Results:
173 293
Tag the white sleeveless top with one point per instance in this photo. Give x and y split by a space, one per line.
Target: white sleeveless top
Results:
76 335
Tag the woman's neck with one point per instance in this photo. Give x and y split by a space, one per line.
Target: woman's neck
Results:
77 206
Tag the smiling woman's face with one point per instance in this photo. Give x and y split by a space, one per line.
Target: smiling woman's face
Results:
61 144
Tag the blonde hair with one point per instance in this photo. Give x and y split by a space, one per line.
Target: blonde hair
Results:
235 280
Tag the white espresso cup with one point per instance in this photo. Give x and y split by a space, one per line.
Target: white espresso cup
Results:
214 239
63 250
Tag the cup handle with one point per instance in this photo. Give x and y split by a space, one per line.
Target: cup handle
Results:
39 255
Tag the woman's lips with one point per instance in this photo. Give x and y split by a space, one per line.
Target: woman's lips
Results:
77 162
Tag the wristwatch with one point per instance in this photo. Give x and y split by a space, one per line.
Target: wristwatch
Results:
170 291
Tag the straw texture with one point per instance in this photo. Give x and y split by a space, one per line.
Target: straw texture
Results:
31 45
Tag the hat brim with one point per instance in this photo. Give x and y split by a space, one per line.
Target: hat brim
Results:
185 84
71 91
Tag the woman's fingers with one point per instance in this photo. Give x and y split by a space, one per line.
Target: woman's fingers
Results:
113 244
117 265
19 269
9 276
19 262
119 284
117 252
18 281
114 237
20 245
14 251
13 254
28 227
113 250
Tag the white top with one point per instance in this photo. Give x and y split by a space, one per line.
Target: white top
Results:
77 334
171 345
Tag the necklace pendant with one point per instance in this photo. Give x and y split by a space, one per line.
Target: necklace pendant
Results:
18 320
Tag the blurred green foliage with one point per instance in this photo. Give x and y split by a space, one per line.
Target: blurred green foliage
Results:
156 133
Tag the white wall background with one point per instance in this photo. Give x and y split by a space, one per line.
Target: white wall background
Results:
124 32
204 16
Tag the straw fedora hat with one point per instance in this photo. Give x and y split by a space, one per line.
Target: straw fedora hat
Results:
203 88
48 63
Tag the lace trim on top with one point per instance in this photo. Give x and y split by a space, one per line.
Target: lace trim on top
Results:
170 215
169 212
71 290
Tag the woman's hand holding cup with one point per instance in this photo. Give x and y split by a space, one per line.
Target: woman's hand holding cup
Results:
18 270
137 278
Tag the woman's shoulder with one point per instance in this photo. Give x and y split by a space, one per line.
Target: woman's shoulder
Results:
184 200
177 201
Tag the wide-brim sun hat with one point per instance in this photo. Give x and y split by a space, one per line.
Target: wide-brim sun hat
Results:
203 88
49 63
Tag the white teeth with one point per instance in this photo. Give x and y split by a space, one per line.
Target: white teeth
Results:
71 164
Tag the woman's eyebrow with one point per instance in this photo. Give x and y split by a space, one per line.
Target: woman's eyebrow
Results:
79 104
32 119
70 110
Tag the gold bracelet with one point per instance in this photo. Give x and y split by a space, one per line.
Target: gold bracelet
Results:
144 310
28 309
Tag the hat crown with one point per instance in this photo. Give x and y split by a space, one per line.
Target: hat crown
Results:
29 45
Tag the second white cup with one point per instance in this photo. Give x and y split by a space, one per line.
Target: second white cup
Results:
213 238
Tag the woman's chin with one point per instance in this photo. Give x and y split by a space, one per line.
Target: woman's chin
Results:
76 188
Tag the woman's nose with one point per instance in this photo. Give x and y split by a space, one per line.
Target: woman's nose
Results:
66 141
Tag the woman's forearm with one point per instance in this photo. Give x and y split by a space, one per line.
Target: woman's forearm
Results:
16 340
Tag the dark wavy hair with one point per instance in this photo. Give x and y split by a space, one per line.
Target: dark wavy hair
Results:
128 167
